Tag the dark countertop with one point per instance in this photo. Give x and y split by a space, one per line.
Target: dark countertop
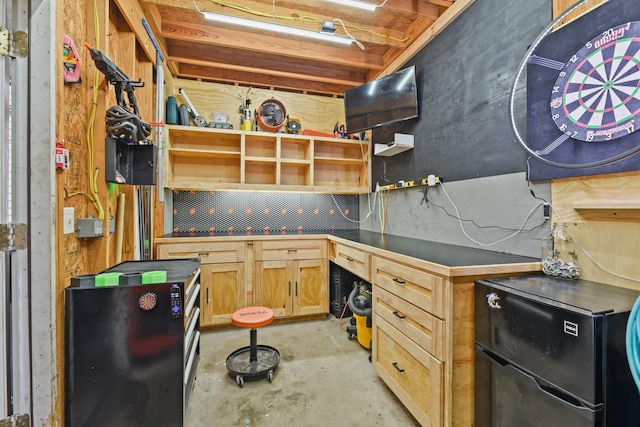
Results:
439 253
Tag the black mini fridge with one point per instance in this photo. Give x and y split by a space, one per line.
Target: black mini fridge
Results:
551 352
132 348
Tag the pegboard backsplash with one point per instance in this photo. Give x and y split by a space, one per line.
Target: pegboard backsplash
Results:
220 211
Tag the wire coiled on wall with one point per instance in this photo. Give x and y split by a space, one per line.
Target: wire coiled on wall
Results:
633 342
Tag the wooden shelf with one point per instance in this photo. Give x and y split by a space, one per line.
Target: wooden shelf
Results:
608 211
221 159
338 161
205 153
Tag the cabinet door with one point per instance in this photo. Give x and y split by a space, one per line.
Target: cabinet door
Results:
311 290
273 286
223 292
411 373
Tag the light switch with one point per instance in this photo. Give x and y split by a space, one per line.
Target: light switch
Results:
68 220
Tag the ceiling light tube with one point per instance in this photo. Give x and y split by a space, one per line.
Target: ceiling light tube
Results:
261 25
354 3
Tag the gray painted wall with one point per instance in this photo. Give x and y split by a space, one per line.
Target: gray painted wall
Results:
491 202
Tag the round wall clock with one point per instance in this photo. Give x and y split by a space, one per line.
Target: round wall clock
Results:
590 94
597 94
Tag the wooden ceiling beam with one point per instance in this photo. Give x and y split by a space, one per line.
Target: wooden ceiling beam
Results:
441 23
264 71
426 8
269 44
260 80
196 53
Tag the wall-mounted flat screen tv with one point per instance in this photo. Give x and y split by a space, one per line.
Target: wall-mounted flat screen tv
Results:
383 101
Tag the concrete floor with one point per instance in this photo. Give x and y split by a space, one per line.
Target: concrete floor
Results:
323 379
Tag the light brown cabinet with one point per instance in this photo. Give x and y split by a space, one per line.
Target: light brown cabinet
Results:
409 336
223 283
291 277
423 324
423 334
216 159
353 259
411 372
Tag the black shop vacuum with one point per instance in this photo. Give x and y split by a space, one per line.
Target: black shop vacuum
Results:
360 304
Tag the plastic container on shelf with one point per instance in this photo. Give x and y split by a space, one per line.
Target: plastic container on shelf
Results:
560 253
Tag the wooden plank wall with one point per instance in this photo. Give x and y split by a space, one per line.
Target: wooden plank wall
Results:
318 113
106 29
602 213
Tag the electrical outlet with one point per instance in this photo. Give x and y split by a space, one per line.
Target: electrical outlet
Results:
68 216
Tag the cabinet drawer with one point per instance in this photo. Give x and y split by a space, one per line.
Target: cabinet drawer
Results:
424 329
411 373
356 261
422 289
209 253
289 250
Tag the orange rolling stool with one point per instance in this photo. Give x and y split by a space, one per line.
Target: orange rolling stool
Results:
254 360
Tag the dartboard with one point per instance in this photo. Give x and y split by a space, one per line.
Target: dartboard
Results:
147 301
581 107
596 96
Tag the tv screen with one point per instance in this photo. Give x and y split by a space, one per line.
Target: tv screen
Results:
382 101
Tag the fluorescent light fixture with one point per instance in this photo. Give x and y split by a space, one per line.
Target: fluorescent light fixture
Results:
354 3
261 25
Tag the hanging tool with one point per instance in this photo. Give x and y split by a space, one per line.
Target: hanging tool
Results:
123 121
198 120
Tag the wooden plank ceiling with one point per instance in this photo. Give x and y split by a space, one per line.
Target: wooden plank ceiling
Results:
225 53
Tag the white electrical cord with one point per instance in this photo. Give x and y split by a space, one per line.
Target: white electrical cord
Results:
339 21
515 233
358 221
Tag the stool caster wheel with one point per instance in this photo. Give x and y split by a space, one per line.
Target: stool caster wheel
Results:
240 380
270 376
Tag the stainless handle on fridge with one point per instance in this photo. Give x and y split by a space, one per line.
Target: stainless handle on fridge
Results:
561 397
556 394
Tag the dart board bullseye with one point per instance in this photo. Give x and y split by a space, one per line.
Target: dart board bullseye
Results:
596 96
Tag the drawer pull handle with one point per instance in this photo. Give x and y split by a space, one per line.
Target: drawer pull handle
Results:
292 251
350 259
289 287
395 365
401 282
401 316
203 253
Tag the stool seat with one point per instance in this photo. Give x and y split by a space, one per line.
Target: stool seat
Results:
252 317
254 360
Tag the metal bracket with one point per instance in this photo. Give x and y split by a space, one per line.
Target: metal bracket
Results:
16 421
13 237
14 44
